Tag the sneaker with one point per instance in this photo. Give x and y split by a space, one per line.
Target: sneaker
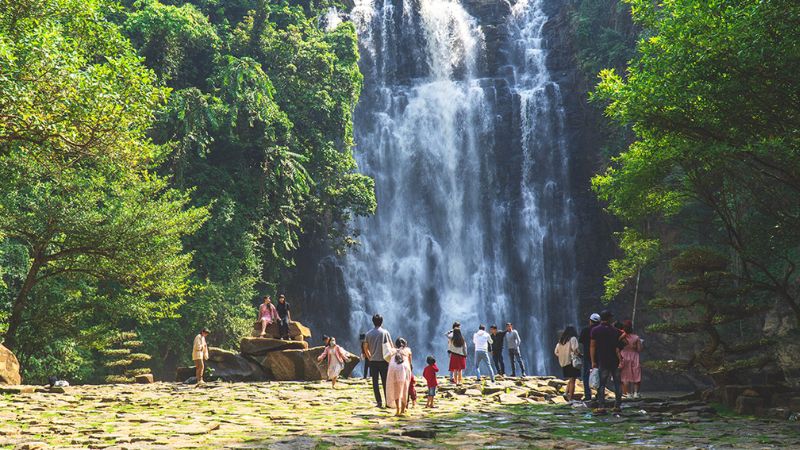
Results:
636 395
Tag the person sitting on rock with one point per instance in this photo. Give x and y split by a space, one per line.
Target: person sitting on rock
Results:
283 317
267 314
336 359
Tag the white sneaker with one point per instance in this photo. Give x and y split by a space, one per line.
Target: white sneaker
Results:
636 395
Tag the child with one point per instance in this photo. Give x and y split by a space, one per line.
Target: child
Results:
336 359
412 391
430 377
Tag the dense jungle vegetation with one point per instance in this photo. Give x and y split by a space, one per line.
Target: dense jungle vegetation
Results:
160 160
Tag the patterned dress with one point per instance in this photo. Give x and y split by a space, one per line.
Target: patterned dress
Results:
631 370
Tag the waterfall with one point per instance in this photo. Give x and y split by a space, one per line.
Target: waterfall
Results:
474 220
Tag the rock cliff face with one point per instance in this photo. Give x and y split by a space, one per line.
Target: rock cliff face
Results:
507 230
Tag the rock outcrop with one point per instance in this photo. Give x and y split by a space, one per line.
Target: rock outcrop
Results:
9 367
255 346
232 366
303 365
268 358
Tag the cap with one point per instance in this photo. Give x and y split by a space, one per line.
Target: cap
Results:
595 317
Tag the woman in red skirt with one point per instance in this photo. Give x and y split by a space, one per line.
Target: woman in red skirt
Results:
457 347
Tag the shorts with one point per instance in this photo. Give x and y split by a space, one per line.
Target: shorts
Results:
431 392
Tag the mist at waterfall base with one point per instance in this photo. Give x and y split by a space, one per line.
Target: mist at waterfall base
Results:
465 142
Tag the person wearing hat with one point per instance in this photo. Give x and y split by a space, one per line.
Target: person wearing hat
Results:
200 354
585 340
605 352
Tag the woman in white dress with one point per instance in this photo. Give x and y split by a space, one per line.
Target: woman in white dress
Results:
336 358
399 377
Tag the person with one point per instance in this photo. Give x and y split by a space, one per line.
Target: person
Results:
398 377
457 347
336 359
512 343
496 347
481 341
200 355
567 350
604 349
377 339
412 389
585 340
429 373
363 339
631 371
449 335
284 317
267 314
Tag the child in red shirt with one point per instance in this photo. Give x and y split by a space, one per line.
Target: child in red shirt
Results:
430 376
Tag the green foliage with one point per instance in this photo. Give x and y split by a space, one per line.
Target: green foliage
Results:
712 99
130 132
638 252
91 236
265 139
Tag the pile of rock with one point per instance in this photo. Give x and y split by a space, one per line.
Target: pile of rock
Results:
269 358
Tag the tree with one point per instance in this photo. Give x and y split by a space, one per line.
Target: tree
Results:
712 99
707 300
76 188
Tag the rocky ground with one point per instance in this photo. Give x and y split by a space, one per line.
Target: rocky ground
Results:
291 415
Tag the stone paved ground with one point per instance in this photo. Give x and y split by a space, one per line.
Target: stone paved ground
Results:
290 415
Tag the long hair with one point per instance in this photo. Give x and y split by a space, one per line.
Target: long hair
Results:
568 334
458 339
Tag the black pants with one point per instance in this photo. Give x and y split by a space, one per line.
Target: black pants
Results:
283 326
366 367
378 368
499 365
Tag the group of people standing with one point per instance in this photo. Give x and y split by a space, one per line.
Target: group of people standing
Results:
611 349
391 363
484 343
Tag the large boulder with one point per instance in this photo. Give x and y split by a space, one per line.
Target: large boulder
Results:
231 366
293 365
297 331
302 365
9 367
258 346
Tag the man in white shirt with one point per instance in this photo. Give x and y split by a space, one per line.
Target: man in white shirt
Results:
481 340
200 354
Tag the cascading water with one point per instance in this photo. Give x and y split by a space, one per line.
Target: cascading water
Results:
472 225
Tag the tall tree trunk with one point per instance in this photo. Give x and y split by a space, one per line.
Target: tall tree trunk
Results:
10 338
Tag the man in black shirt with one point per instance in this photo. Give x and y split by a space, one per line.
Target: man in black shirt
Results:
283 317
585 340
605 356
496 347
